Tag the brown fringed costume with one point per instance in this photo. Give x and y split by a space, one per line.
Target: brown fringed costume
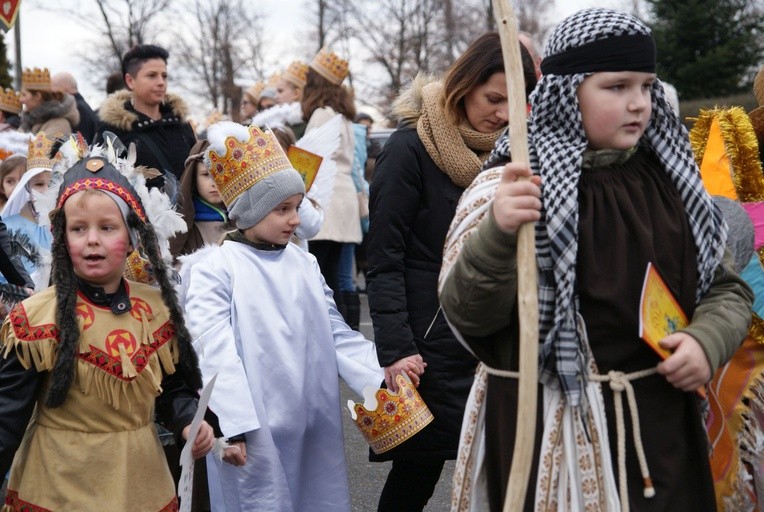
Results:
83 371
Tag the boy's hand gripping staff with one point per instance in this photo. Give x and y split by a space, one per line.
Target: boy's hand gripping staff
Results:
527 293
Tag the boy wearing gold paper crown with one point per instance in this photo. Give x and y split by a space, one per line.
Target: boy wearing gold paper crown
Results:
264 320
90 359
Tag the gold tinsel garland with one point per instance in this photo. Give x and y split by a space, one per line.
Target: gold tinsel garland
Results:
756 330
741 146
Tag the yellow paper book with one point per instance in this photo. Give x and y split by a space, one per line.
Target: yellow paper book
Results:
306 163
660 314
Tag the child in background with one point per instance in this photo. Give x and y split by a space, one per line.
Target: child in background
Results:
11 171
311 214
30 240
613 186
12 269
201 206
287 110
94 355
263 319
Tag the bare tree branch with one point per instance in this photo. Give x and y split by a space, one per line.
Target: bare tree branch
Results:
217 46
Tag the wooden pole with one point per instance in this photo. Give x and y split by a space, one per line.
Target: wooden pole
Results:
527 293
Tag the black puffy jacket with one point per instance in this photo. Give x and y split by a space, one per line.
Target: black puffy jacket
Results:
412 203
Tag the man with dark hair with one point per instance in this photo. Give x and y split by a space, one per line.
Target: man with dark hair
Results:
136 56
148 116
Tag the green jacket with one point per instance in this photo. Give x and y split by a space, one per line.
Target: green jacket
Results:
479 298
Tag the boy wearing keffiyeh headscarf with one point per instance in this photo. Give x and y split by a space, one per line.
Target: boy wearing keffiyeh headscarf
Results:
613 186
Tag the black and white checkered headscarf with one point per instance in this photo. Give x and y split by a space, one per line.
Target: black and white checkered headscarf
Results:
556 144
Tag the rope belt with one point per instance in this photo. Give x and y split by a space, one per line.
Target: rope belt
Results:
500 373
620 382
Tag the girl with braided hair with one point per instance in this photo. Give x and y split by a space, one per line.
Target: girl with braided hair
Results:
90 358
613 186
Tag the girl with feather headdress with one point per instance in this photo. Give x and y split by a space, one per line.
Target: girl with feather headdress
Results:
88 361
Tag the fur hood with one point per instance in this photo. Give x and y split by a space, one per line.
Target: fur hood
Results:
407 107
52 109
113 110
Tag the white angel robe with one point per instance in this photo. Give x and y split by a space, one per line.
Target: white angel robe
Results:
266 323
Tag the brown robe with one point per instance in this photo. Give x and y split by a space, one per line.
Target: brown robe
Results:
629 214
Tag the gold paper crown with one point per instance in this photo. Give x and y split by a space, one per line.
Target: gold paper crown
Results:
39 148
396 418
330 66
246 163
36 79
10 102
296 73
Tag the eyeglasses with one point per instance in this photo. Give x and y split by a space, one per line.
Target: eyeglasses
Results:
245 102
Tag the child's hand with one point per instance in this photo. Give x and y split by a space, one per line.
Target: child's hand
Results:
413 366
687 368
517 200
205 438
236 454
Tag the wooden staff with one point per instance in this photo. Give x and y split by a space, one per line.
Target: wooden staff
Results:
527 294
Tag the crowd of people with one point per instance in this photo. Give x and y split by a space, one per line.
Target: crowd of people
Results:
142 260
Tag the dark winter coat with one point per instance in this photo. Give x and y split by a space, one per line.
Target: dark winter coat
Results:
412 203
172 135
88 124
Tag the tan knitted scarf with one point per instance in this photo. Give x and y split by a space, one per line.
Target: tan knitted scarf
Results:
459 151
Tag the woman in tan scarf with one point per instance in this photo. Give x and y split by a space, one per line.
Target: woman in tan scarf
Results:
447 129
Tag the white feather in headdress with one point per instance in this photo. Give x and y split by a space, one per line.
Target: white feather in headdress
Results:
158 207
72 149
166 221
160 212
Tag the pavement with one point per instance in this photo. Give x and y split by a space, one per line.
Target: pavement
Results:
368 478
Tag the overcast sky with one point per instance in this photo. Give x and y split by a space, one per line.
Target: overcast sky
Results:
50 39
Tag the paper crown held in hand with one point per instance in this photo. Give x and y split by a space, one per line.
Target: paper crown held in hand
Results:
387 419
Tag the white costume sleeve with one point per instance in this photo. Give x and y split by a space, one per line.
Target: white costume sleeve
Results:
311 219
208 316
356 356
